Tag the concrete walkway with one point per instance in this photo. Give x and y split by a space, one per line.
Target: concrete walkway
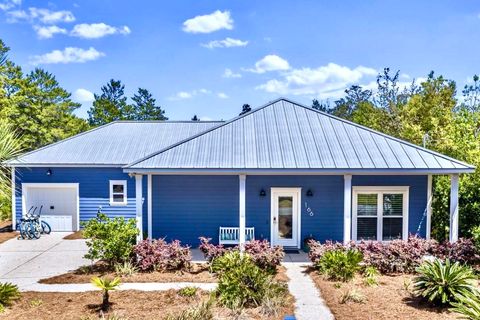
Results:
309 305
24 262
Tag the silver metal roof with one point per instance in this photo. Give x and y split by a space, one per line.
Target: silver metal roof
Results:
286 135
117 143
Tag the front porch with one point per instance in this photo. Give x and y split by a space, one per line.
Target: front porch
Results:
287 209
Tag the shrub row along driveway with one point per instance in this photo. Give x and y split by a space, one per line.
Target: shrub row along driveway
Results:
24 262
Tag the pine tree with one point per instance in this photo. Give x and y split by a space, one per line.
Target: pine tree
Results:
195 118
245 108
145 107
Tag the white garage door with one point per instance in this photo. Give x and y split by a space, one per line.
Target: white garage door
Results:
59 204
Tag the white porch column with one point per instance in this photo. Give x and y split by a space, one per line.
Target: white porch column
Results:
428 228
149 206
138 203
242 205
347 208
14 208
453 207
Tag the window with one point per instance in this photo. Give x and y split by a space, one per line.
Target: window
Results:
118 192
380 213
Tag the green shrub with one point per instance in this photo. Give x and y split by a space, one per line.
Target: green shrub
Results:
201 312
468 307
127 268
444 283
188 291
241 283
476 237
110 240
8 293
340 264
370 275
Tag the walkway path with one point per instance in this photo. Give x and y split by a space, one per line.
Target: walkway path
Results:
309 305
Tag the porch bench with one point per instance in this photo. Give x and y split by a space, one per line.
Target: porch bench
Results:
231 235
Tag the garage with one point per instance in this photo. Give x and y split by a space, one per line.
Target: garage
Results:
59 203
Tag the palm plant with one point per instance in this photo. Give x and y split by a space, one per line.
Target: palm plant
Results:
468 307
9 148
8 293
106 285
444 283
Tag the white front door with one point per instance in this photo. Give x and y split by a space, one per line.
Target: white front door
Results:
285 219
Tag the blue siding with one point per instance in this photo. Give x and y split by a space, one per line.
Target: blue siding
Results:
417 196
93 188
187 207
326 204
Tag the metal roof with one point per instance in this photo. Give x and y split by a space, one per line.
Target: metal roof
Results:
286 135
117 143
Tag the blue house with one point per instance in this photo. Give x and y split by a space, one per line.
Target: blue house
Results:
282 172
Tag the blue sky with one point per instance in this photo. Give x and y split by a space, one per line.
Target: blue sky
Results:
210 57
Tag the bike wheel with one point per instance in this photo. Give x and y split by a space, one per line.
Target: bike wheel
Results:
23 231
46 229
34 230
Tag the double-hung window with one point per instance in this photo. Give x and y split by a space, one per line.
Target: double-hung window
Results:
380 213
118 192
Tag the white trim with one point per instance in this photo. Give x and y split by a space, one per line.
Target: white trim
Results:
454 207
241 211
125 197
296 192
25 186
347 208
428 227
380 190
138 206
149 205
14 200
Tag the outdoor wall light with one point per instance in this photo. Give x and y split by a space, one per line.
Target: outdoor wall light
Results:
49 172
262 193
309 193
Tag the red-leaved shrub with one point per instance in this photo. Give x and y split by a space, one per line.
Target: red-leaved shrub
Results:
263 255
161 255
399 256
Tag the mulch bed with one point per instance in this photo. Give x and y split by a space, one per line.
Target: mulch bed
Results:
6 232
129 304
391 299
199 273
74 236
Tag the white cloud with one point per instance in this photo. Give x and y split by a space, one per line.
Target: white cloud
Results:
46 32
68 55
327 81
230 74
50 17
41 15
270 62
83 96
97 30
209 23
182 95
222 95
9 4
226 43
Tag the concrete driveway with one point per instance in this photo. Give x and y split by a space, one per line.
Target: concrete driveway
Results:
24 262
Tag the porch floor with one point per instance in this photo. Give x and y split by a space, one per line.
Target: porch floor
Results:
197 256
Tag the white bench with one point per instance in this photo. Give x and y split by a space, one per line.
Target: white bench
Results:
231 235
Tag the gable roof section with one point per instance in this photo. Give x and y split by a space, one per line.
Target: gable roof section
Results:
115 144
286 136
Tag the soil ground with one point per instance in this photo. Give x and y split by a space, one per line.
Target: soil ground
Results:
124 304
74 236
6 232
391 299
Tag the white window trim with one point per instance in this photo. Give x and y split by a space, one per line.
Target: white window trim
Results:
125 198
380 190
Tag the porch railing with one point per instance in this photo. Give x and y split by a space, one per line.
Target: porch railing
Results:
231 235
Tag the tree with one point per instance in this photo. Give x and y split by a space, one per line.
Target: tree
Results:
319 106
344 107
110 105
195 118
471 95
245 109
145 107
9 148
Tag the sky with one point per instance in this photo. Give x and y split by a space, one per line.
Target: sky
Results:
208 58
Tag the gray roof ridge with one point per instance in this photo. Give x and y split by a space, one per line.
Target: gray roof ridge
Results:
203 132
